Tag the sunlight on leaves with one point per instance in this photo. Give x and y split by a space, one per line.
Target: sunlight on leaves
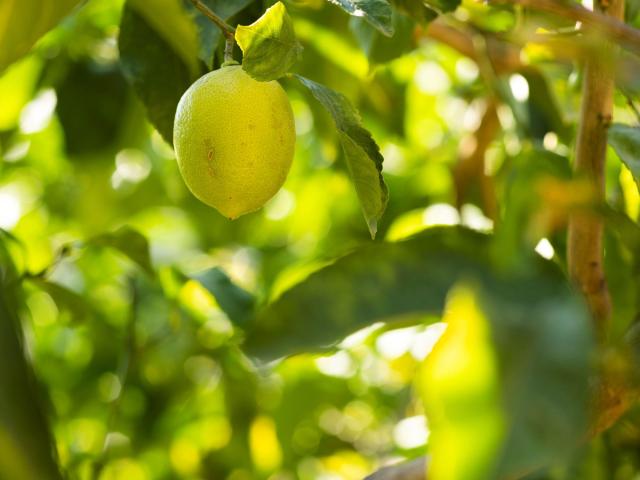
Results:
460 389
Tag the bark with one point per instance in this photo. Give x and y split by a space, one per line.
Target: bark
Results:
586 229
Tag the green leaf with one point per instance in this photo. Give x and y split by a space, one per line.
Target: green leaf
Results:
540 329
27 448
130 243
381 49
159 71
392 279
376 12
443 6
23 22
269 45
362 154
65 298
236 302
625 140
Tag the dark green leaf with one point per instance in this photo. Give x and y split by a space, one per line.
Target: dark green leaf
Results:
540 329
544 113
443 6
376 12
129 242
236 302
625 140
269 45
28 449
24 22
158 71
91 102
362 154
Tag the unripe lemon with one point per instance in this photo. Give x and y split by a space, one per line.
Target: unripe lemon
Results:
234 139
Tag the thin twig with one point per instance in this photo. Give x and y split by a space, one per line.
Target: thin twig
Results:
227 30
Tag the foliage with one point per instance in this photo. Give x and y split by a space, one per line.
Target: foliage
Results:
144 336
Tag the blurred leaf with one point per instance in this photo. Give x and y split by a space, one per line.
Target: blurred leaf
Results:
236 302
381 49
443 6
544 112
416 10
129 242
465 416
91 102
27 449
23 22
209 33
269 45
376 12
159 73
16 89
65 298
540 329
362 154
625 140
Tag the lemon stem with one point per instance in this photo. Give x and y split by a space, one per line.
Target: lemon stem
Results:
228 50
227 30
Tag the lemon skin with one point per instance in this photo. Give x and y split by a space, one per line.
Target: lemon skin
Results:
234 139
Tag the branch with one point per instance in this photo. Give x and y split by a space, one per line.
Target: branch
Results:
598 21
504 56
227 30
586 229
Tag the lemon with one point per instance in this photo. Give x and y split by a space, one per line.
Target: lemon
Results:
234 139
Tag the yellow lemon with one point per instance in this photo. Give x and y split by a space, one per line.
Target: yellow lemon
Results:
234 139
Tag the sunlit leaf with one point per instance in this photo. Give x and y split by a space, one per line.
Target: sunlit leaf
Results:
362 154
625 140
460 387
269 45
23 22
236 302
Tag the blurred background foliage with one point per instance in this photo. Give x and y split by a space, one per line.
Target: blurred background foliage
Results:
135 298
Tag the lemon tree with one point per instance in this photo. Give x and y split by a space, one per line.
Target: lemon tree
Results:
480 324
